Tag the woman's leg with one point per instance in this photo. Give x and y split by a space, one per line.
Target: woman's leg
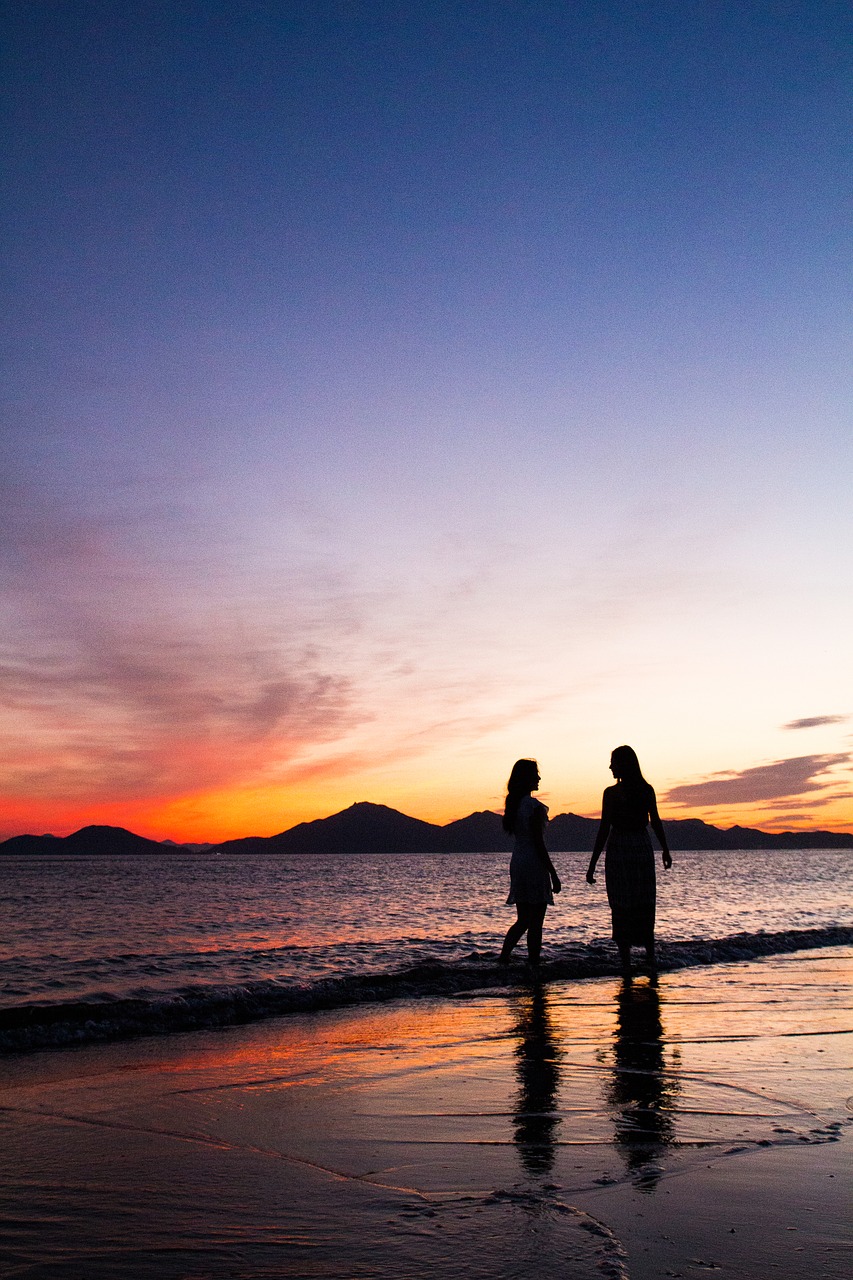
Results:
534 932
625 956
515 932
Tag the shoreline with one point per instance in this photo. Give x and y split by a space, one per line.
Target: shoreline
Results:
110 1019
585 1127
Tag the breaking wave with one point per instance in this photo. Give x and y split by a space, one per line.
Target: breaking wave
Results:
65 1023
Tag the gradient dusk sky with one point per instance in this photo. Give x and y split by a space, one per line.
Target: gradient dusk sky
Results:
395 389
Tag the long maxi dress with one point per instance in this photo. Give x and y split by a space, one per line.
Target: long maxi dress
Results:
529 878
629 870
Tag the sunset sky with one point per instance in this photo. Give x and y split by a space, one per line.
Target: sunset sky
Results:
396 389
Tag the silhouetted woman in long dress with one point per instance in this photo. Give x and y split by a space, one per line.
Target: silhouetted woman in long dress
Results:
532 877
627 808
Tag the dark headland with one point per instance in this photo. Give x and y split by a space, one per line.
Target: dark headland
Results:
375 828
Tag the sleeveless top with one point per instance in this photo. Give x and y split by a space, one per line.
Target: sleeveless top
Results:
630 807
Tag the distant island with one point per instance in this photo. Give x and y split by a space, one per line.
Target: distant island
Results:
374 828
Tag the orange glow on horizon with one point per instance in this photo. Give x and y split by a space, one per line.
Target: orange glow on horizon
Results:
217 815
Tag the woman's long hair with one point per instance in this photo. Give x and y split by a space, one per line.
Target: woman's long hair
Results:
626 767
522 780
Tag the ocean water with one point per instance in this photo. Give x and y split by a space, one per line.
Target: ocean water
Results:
100 948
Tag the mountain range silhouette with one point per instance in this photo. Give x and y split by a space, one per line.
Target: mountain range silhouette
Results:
375 828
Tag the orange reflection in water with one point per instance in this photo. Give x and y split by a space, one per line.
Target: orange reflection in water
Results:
313 1048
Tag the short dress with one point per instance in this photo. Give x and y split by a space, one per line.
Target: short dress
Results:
529 878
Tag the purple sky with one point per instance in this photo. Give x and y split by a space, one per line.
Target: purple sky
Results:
396 389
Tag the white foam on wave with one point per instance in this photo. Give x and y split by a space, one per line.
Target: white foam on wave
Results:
105 1018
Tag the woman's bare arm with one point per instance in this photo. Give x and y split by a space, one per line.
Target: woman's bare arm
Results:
539 846
657 827
601 836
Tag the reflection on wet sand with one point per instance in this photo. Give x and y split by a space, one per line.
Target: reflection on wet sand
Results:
537 1057
643 1089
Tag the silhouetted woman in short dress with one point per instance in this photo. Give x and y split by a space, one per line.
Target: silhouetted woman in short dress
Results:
627 808
532 878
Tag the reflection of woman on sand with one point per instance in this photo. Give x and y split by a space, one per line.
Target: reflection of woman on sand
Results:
642 1089
531 871
536 1058
629 869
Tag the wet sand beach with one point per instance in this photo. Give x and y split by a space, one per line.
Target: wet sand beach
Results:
561 1129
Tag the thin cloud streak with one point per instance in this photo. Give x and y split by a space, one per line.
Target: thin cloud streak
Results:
831 797
792 777
815 722
787 821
